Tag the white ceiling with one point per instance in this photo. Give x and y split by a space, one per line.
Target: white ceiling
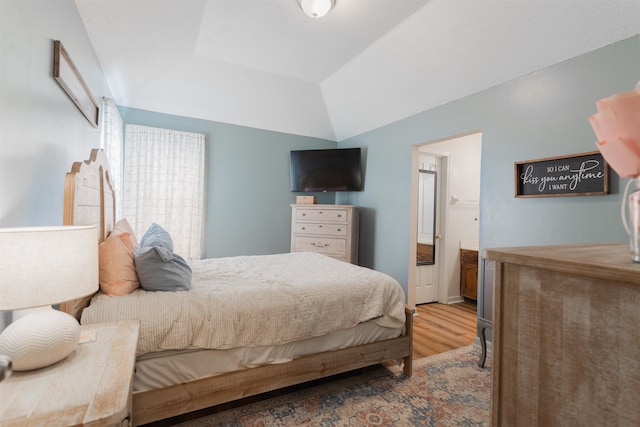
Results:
368 63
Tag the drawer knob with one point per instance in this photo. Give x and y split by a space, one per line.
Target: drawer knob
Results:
339 229
320 226
304 228
320 245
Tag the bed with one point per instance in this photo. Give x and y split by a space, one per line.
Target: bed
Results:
198 348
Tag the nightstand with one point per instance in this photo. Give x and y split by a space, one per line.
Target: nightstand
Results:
93 386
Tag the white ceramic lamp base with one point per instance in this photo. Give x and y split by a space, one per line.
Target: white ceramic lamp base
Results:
40 339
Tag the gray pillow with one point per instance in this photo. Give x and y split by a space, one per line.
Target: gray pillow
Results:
159 269
157 236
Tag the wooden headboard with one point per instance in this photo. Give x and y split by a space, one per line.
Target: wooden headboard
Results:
89 199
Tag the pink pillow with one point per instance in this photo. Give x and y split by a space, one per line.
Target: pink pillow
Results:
117 270
123 226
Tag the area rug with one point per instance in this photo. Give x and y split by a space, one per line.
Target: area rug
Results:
448 389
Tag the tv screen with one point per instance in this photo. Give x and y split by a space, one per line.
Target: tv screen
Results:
326 170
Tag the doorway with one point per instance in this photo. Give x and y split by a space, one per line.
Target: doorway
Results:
457 165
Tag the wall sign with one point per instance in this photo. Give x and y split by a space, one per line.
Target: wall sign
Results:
584 174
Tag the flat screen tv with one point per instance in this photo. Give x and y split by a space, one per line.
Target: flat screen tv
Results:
335 169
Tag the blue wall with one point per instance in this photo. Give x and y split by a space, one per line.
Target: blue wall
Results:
247 194
539 115
543 114
42 132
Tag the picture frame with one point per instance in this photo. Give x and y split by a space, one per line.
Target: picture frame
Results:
69 78
582 174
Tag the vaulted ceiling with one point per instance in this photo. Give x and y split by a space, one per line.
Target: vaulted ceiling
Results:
368 63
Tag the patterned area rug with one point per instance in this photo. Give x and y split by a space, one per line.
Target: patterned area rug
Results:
447 389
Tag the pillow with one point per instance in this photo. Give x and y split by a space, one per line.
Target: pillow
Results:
157 236
117 273
123 226
159 269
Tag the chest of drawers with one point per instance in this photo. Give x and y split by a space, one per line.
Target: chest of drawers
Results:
328 229
566 347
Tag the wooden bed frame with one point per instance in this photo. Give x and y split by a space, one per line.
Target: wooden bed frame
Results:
89 199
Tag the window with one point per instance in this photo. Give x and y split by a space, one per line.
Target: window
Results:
112 141
163 183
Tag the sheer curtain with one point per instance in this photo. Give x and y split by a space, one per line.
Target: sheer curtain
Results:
112 142
164 184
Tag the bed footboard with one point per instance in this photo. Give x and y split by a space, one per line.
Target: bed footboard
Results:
171 401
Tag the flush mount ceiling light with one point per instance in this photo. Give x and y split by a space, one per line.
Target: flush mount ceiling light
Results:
316 8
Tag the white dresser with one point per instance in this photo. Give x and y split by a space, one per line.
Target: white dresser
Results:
328 229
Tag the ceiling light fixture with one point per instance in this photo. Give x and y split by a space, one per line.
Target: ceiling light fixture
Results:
316 8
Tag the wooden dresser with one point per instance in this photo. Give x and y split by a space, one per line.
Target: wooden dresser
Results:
566 336
328 229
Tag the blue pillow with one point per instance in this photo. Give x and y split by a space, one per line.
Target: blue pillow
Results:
157 236
159 269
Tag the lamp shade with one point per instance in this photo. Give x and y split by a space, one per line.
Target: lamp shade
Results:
47 265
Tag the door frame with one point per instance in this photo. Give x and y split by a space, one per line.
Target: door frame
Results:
444 200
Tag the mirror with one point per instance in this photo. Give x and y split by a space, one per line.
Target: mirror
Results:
426 253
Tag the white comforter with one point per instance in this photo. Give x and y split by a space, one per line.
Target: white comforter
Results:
250 301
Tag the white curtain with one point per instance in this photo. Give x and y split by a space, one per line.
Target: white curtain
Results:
164 184
112 142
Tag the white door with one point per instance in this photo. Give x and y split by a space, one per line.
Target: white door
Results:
427 287
428 230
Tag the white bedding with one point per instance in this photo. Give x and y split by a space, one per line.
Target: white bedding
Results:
158 370
252 301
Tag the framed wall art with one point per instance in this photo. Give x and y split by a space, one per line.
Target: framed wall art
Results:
69 78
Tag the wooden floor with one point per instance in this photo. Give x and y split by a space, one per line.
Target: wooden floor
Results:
442 327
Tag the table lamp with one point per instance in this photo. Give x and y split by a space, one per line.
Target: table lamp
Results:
41 266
